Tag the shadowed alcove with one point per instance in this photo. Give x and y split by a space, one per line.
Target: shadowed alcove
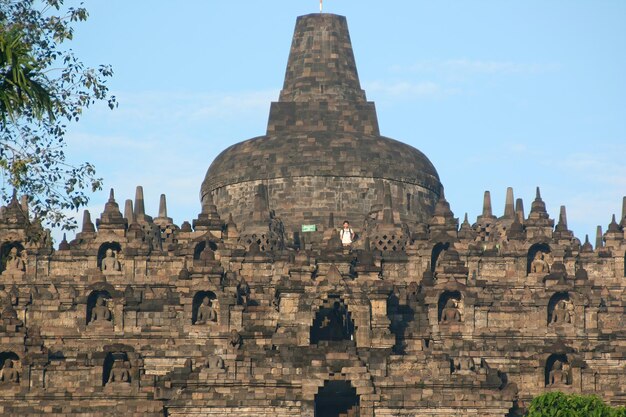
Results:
198 300
332 322
337 399
436 253
554 303
443 301
114 246
532 252
5 249
92 301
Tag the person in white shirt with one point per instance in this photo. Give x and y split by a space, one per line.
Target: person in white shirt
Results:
346 234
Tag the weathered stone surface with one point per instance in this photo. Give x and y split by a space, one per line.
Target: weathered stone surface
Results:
323 151
416 317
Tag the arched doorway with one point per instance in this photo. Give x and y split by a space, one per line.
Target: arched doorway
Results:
446 296
436 254
337 399
542 248
5 250
560 309
332 322
116 368
92 303
557 371
198 300
200 247
114 246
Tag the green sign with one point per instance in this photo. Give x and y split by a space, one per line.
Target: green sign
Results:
309 228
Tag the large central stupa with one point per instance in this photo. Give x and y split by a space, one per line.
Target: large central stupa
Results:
322 152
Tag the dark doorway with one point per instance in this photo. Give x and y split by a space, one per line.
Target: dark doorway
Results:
114 359
532 252
443 301
337 399
332 322
114 246
200 248
436 253
92 300
197 301
4 356
554 301
551 366
5 249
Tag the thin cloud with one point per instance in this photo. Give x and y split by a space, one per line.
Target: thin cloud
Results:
232 106
82 140
581 204
408 89
518 148
468 66
601 177
598 166
189 107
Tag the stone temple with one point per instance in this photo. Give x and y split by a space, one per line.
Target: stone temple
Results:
260 307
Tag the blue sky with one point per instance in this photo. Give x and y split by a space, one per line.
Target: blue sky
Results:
497 94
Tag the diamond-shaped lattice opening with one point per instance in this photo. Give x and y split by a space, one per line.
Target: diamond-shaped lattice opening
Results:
264 243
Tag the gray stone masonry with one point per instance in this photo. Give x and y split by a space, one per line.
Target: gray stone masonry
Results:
322 151
235 314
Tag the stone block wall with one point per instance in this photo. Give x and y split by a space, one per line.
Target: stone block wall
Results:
474 333
309 200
